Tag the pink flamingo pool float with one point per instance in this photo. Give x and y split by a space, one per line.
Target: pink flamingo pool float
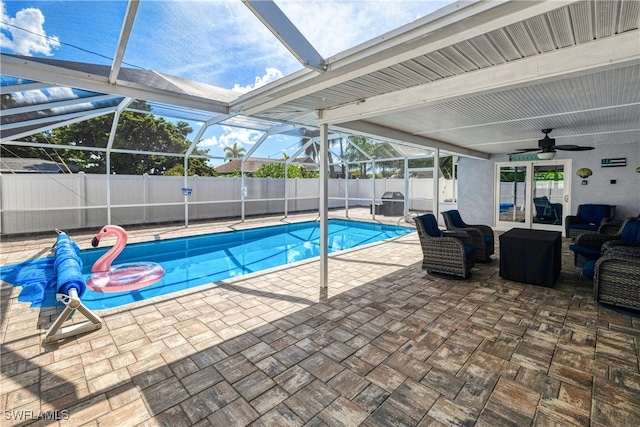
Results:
122 277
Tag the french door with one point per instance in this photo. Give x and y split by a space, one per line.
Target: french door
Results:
533 194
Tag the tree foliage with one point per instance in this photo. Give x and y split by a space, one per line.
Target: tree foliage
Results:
136 131
234 151
276 170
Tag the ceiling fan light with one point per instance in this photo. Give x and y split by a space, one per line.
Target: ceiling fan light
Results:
547 155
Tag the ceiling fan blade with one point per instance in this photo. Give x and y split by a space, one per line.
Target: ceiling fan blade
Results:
572 148
526 150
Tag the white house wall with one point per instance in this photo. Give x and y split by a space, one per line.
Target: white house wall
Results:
476 188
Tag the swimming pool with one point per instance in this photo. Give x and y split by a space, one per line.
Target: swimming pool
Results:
197 260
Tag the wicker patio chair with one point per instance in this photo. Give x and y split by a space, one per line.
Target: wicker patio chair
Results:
445 253
482 235
588 246
616 276
611 227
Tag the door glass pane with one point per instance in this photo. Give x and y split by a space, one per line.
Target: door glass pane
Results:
548 192
512 193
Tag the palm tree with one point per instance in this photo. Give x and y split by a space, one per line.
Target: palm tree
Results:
354 155
234 151
313 150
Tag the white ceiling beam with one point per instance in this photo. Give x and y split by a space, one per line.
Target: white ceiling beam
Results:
611 52
55 104
376 131
462 21
125 32
38 71
5 90
42 120
279 24
51 126
530 118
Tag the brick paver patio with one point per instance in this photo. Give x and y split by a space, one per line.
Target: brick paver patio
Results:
384 345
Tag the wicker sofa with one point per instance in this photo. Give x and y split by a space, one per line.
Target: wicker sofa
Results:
482 235
445 253
616 275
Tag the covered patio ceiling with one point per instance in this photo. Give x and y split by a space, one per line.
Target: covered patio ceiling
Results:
472 79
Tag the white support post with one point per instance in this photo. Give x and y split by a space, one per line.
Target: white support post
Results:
112 136
436 184
145 196
186 185
242 191
373 189
405 211
286 190
346 189
108 172
324 206
454 178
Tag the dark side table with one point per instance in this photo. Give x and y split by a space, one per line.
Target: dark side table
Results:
531 256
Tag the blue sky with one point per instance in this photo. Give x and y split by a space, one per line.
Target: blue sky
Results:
219 42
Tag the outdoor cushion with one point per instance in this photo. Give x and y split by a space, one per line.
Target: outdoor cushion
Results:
631 232
456 219
589 269
585 227
590 252
468 250
430 225
594 213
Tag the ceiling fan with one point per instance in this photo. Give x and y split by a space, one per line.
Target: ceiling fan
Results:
547 147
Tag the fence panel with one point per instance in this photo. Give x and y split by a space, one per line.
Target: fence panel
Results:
42 202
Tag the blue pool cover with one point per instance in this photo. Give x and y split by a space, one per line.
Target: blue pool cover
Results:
197 260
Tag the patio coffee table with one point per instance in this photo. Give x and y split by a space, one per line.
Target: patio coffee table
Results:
531 256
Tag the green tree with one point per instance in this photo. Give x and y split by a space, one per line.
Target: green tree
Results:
137 132
196 167
48 153
276 170
234 151
358 170
446 165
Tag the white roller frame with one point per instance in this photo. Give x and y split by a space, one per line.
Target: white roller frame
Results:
72 303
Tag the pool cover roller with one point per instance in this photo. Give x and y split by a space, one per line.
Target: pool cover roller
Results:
70 287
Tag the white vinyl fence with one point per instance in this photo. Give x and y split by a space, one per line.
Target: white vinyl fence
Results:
43 202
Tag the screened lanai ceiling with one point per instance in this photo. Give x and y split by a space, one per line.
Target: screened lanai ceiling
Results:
471 78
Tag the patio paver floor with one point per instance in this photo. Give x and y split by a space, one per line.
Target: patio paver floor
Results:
384 345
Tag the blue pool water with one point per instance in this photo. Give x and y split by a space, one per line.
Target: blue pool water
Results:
194 261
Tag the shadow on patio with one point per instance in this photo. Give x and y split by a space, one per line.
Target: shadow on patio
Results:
402 349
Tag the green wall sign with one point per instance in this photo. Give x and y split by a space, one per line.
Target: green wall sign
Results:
524 157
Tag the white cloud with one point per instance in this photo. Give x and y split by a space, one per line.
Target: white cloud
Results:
271 75
230 136
25 34
336 26
41 96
